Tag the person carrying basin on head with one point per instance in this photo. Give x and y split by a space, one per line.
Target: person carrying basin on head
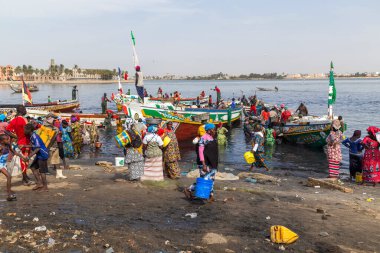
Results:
208 157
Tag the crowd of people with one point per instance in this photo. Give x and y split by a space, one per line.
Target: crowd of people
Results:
153 152
258 129
366 164
34 143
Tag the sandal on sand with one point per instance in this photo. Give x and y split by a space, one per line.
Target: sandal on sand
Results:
37 187
42 189
26 183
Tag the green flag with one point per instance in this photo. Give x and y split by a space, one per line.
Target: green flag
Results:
332 90
133 39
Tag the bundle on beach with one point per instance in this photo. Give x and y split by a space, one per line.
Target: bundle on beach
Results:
261 178
328 183
222 176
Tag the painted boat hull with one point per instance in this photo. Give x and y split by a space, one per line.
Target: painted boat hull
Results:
185 116
98 118
67 106
312 135
185 127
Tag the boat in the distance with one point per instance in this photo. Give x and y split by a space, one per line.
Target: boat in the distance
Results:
18 89
267 89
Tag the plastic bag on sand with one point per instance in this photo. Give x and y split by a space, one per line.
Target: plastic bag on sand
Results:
14 167
281 234
223 176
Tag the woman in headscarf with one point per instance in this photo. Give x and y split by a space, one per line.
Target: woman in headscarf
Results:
152 147
355 145
258 148
3 123
76 134
171 153
133 158
68 148
371 159
334 152
208 155
222 138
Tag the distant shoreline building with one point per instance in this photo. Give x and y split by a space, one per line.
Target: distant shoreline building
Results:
7 73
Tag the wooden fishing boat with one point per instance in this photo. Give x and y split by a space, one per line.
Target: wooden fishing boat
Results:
310 130
56 106
188 119
18 89
96 118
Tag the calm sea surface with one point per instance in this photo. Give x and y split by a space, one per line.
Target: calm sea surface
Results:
358 101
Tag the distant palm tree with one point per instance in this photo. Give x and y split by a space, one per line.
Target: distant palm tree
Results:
30 69
18 70
61 68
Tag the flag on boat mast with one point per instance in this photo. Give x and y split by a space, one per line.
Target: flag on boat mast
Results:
26 96
135 58
118 78
332 91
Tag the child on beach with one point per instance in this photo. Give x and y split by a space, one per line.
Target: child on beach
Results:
5 151
39 166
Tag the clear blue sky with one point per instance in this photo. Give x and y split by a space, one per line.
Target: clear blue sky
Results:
193 36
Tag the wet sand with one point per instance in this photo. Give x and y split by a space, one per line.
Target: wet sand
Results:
91 212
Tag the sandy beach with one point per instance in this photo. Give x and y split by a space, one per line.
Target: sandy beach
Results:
95 210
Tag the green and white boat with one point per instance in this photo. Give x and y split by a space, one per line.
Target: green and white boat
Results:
311 130
188 120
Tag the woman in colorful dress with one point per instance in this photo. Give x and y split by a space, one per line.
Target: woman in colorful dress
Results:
152 146
222 138
355 145
68 148
371 158
133 158
334 152
76 134
171 153
258 149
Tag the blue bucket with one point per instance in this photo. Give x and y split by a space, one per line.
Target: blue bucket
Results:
203 188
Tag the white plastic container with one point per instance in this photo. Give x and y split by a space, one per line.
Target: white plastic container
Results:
119 161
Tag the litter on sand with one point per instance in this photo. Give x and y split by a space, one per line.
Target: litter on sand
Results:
191 215
40 228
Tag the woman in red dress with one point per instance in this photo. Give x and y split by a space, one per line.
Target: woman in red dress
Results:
371 159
